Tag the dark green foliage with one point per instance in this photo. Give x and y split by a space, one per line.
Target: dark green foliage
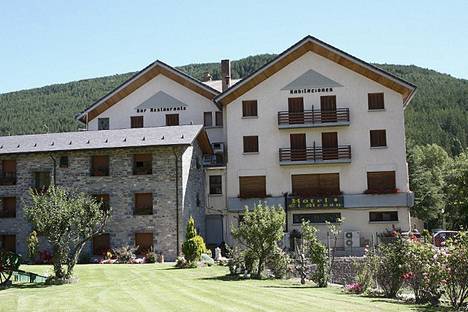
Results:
194 245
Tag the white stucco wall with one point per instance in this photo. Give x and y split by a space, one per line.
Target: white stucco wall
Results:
119 114
353 95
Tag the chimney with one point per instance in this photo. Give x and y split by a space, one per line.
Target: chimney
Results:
225 74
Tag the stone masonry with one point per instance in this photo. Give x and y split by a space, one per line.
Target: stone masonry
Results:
121 185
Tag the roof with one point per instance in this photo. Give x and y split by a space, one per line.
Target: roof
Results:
105 139
311 79
139 79
218 85
323 49
159 100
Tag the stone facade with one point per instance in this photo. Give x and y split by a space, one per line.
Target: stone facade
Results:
120 185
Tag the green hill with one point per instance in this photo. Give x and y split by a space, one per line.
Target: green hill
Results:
437 114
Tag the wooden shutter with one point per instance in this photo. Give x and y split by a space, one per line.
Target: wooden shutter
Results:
298 146
328 108
143 203
8 209
249 108
305 184
381 182
136 121
100 165
9 166
376 101
329 145
219 119
172 119
252 187
101 244
378 138
251 144
8 242
330 184
296 110
208 119
144 241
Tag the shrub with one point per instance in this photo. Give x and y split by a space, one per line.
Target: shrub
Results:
316 251
194 245
33 243
259 233
278 263
366 270
455 267
125 254
181 262
390 266
354 288
424 272
236 260
151 257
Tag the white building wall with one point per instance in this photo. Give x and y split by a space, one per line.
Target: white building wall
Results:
353 95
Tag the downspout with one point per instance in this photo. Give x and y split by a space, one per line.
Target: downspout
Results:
54 169
176 156
286 210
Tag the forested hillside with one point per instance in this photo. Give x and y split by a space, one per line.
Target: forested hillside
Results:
437 114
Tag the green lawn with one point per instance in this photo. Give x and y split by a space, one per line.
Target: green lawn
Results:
157 287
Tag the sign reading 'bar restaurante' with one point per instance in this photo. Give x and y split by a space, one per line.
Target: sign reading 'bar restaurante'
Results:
315 202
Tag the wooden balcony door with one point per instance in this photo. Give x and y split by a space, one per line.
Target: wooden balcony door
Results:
328 108
296 110
329 145
298 146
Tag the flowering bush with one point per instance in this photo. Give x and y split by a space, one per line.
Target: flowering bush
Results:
455 267
424 272
354 288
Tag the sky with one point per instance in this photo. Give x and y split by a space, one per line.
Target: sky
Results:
44 42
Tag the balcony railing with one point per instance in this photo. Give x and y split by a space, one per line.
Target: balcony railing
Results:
216 160
315 154
7 178
313 118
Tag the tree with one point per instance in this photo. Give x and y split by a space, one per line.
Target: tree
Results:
427 168
316 251
194 245
260 232
68 220
456 189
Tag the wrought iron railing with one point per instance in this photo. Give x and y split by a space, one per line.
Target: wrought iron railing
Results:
313 117
315 153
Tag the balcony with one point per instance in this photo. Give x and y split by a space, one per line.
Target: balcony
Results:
315 155
216 160
7 178
313 118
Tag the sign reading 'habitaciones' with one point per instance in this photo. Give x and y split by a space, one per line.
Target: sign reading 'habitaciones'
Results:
315 202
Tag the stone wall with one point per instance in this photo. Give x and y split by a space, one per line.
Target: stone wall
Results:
345 270
121 185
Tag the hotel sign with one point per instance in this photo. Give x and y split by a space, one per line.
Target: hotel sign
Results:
315 202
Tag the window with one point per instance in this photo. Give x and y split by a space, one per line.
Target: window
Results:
63 162
316 217
100 165
143 204
216 185
376 101
144 242
198 202
252 187
8 207
381 182
316 184
251 144
103 123
219 119
104 199
142 164
8 172
136 121
8 243
172 119
378 138
249 108
101 244
41 180
383 216
208 119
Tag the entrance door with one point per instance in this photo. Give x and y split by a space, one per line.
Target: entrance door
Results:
329 145
328 108
214 231
298 146
296 110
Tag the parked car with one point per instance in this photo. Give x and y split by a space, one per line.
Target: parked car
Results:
439 238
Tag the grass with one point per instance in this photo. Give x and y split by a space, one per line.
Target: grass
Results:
160 287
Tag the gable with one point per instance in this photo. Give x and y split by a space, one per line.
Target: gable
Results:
311 44
161 100
311 79
140 79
